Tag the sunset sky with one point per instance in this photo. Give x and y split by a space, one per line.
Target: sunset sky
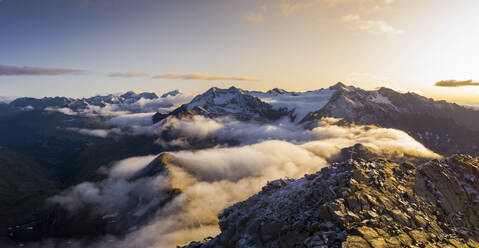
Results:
81 48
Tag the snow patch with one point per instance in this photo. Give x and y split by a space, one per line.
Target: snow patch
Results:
299 103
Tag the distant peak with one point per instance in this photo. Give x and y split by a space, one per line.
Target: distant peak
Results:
338 86
128 94
137 94
386 89
216 90
234 89
213 89
277 91
171 93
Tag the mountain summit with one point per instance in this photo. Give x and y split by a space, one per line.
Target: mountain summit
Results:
233 102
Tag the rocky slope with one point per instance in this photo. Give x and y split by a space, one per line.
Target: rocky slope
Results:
359 203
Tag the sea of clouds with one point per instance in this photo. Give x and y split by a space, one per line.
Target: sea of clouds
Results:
209 180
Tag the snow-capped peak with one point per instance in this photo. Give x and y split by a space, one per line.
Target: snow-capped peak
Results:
219 97
232 101
276 91
342 87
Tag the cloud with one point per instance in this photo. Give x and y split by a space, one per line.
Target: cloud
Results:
256 16
201 76
102 133
224 129
91 110
66 111
455 83
128 167
114 195
128 74
163 104
288 9
357 21
139 119
370 26
350 18
362 6
212 179
25 70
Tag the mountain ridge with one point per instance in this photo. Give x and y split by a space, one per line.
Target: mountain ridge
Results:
360 203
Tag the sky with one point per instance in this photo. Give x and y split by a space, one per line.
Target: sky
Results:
82 48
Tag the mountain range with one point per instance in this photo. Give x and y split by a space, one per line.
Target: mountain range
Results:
54 149
73 103
446 128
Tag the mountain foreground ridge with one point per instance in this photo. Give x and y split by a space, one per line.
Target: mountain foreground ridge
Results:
361 203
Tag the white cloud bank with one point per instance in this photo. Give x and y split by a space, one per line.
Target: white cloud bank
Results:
213 179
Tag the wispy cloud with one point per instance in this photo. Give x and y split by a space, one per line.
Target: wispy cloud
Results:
128 74
288 9
202 76
455 83
370 26
256 16
362 6
6 70
359 20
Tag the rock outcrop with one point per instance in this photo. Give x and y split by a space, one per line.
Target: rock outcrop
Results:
361 203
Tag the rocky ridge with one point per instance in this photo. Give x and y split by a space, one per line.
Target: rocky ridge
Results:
360 203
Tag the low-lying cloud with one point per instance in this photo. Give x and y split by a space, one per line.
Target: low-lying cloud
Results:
101 133
6 70
202 76
455 83
212 179
224 129
139 119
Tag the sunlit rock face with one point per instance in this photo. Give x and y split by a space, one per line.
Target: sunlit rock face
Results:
360 203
